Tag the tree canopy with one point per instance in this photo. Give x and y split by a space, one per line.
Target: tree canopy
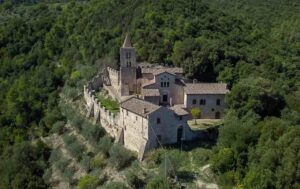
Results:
254 46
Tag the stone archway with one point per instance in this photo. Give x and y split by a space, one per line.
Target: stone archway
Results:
165 97
217 115
179 133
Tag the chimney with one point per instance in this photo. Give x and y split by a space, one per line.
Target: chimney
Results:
171 102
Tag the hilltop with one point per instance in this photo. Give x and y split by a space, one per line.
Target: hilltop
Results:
50 49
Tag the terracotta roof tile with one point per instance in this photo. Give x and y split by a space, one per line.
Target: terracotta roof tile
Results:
139 106
150 92
206 88
179 109
151 82
160 69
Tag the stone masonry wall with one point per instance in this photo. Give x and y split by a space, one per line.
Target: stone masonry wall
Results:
208 111
100 114
135 129
95 83
128 80
114 76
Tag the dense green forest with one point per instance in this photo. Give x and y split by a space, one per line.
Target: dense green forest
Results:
254 46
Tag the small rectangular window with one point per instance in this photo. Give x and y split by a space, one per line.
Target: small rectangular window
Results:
202 101
158 120
127 112
180 117
218 102
136 118
194 101
161 84
168 84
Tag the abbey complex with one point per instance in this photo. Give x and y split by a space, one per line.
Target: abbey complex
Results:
155 102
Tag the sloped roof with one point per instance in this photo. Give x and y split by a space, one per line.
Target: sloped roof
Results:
150 92
157 68
206 88
160 69
179 109
158 72
127 43
151 82
139 106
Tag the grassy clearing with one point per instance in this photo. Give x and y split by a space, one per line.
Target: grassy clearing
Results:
110 104
202 124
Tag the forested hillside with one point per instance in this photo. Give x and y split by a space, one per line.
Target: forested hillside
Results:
254 46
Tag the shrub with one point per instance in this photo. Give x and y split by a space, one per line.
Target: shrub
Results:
62 164
119 156
223 161
75 75
133 179
69 139
98 161
77 122
70 92
68 174
87 182
133 176
92 132
228 179
55 156
201 156
171 160
115 185
86 162
58 127
167 167
47 175
175 158
155 157
103 178
104 145
76 149
158 182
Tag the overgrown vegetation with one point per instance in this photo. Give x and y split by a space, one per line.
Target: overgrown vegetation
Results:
107 102
251 45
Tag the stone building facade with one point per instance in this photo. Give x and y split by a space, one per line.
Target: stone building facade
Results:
155 102
147 125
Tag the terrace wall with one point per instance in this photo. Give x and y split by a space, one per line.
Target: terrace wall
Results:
95 109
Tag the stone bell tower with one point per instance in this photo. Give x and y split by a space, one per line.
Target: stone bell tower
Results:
127 68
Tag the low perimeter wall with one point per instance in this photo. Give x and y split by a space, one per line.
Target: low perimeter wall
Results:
101 115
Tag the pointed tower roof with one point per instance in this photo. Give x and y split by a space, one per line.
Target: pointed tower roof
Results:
127 42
